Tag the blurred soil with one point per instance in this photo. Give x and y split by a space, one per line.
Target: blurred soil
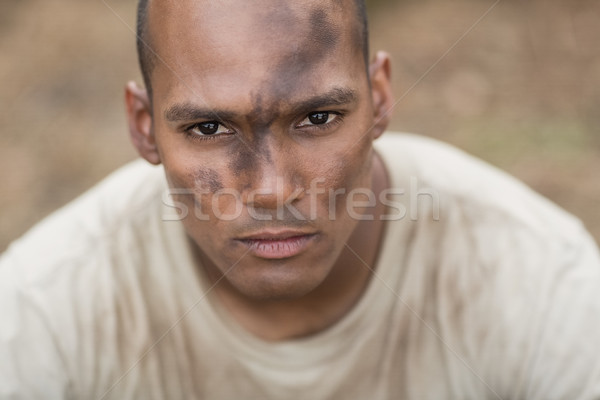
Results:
520 89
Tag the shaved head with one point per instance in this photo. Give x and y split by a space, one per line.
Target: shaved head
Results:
148 57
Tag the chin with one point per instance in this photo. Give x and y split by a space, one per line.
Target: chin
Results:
277 282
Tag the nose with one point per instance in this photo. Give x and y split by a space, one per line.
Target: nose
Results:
274 182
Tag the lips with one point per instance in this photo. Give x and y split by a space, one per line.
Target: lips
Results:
277 245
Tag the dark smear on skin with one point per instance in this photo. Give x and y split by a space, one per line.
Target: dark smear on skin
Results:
261 119
320 37
323 33
209 178
242 158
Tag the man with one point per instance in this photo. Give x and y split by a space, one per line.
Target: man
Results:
276 254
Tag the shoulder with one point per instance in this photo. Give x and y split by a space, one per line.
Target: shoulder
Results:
65 284
79 232
481 233
479 191
502 274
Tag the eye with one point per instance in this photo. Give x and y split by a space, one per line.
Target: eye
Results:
208 128
318 118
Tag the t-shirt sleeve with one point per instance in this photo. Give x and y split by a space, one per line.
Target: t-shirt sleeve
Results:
528 325
31 365
562 357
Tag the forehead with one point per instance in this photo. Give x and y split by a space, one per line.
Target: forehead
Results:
212 47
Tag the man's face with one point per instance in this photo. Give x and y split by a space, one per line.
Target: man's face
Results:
261 117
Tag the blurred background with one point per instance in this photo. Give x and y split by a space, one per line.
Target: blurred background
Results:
521 90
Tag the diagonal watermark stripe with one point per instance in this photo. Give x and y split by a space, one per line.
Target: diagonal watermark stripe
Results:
428 71
423 322
168 331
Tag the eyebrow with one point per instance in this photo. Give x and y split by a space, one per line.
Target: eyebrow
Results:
188 111
334 97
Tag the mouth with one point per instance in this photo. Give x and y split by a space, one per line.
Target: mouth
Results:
277 245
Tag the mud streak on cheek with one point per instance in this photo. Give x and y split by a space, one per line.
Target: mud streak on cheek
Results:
208 179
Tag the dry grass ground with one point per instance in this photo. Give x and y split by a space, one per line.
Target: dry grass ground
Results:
521 90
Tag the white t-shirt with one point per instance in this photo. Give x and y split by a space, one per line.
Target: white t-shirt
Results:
495 297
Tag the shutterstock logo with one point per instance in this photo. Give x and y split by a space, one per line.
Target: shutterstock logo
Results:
315 202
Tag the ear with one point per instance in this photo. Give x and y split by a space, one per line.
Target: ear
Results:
139 117
381 92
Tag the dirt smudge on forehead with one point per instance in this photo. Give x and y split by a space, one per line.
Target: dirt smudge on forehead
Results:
312 39
299 40
323 33
307 40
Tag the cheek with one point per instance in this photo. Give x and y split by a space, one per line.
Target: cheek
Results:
193 182
212 199
350 167
344 159
194 186
341 173
209 207
208 178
